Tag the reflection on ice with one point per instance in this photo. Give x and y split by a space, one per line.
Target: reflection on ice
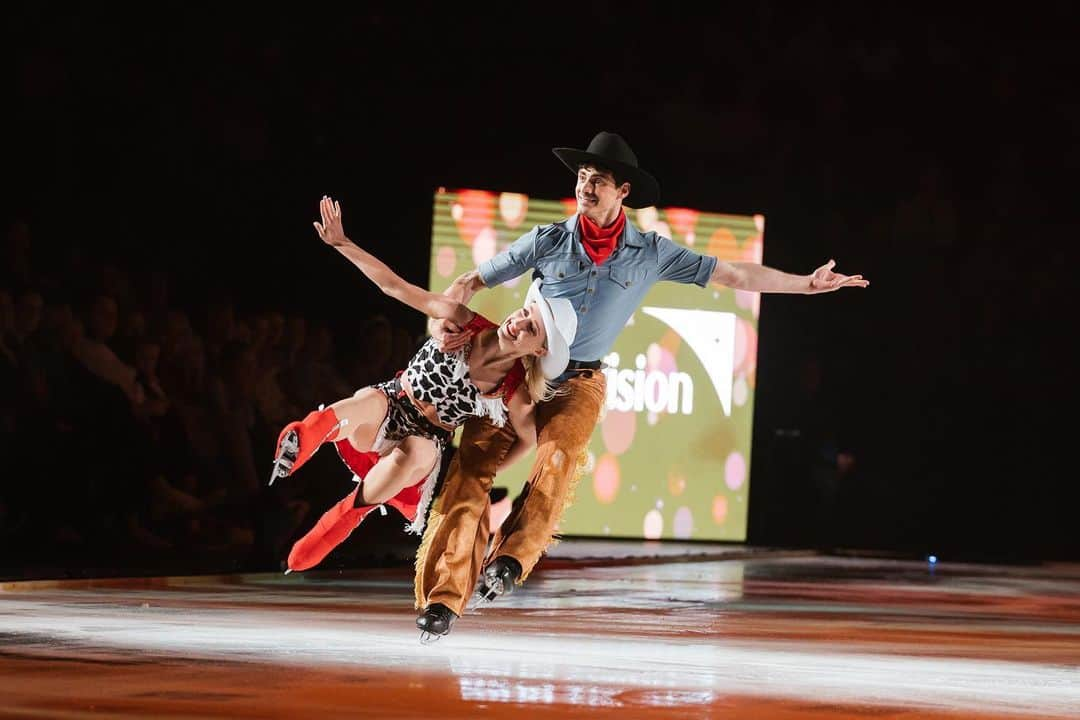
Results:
680 634
480 689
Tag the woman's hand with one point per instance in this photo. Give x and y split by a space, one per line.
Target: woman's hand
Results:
330 229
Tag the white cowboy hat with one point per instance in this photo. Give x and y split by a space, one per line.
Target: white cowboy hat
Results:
560 322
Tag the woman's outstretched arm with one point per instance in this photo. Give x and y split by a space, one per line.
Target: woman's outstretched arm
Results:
433 305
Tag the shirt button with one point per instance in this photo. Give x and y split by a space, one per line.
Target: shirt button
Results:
594 272
589 290
584 308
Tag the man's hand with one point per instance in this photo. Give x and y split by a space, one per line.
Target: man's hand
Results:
330 229
448 335
825 280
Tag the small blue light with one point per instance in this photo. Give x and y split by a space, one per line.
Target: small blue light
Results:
932 559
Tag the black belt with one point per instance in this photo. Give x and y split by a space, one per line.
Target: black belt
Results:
584 365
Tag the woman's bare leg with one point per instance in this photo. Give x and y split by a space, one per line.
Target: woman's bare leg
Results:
362 415
405 465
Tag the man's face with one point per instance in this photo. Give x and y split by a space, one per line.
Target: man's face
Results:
597 194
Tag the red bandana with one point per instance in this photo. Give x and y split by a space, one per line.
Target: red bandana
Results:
600 242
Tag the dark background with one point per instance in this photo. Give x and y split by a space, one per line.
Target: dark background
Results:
931 148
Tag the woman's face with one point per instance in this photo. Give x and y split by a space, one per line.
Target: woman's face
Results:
524 331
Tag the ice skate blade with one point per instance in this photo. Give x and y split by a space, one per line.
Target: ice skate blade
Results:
282 468
478 602
287 454
429 638
481 600
493 588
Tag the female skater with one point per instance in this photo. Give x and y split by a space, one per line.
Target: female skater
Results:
392 435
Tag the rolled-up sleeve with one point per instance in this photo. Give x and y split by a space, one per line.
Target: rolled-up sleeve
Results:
682 265
510 263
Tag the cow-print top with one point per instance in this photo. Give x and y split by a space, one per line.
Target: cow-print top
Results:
442 380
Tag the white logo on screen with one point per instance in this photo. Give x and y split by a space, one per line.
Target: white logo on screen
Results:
710 334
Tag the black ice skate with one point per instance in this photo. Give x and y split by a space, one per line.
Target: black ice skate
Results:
436 621
287 453
498 579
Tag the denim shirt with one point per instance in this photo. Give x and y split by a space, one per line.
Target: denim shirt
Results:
604 296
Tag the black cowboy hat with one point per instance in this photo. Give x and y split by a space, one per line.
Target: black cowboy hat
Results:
610 151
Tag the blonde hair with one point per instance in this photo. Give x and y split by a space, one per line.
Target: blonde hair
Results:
539 387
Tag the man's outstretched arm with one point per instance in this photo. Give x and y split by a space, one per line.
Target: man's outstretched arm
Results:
761 278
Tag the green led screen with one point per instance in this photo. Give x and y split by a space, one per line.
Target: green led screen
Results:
670 457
